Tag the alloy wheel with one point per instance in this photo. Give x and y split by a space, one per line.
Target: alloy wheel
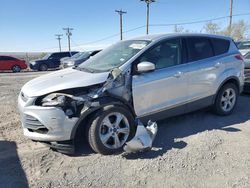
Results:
228 99
114 130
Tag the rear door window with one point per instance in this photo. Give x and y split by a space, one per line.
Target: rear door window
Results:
199 48
59 55
221 46
65 54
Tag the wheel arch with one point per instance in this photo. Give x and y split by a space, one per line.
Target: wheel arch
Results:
231 79
102 103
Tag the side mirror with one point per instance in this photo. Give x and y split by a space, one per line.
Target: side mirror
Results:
145 67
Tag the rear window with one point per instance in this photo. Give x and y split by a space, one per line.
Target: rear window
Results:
221 46
199 48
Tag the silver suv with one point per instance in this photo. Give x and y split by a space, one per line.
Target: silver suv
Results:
148 78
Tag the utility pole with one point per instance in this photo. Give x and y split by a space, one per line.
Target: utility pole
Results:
69 34
148 2
120 12
59 40
231 16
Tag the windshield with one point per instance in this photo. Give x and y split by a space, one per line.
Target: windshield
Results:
46 56
114 56
244 45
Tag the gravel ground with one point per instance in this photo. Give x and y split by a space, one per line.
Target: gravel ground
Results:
194 150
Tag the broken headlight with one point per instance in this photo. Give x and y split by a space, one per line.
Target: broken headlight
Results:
68 103
54 99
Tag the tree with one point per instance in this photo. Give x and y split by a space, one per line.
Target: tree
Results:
238 31
178 29
212 28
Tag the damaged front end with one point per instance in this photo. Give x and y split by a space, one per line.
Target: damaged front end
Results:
67 109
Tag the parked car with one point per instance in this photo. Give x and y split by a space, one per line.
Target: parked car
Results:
247 60
244 46
148 78
78 58
12 63
50 61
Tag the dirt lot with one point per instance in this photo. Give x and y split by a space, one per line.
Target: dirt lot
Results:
194 150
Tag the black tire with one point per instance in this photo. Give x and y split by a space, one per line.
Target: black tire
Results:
96 126
43 67
219 101
16 68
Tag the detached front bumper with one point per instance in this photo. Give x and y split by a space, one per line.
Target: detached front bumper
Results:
46 124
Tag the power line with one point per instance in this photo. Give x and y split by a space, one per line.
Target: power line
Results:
159 25
59 40
69 34
200 21
156 25
121 12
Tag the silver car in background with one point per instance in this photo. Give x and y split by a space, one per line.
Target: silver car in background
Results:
78 58
244 46
247 60
147 78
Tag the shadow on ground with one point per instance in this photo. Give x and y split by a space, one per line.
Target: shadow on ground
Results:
11 171
172 129
190 124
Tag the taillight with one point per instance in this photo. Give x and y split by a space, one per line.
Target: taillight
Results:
239 57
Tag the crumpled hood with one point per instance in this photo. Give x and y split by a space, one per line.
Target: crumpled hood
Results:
60 80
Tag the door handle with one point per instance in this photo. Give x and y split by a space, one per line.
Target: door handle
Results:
178 74
217 65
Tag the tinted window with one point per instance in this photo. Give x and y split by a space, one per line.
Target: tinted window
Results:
199 48
59 55
221 46
94 52
65 54
6 58
165 54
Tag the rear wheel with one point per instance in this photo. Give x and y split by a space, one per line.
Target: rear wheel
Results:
226 99
109 129
16 68
43 67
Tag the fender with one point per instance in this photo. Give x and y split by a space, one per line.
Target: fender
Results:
98 104
234 78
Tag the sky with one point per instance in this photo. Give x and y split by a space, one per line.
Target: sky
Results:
31 25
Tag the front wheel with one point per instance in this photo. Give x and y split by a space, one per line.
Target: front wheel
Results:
226 99
109 129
